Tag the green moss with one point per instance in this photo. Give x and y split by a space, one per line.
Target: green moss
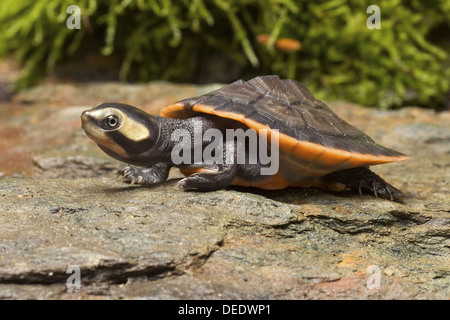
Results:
405 62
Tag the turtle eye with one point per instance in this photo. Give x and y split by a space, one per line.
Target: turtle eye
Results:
111 122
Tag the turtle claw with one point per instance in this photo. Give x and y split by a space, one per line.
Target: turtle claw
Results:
209 181
390 194
144 176
124 173
378 186
182 185
194 181
374 190
127 174
132 175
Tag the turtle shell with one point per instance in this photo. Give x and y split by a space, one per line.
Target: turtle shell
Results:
313 140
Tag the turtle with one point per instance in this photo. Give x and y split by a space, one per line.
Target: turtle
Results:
313 146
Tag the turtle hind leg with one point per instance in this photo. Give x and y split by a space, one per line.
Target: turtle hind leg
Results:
210 181
363 179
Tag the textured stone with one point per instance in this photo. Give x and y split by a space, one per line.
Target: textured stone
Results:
60 205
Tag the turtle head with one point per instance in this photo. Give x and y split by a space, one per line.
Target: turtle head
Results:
124 132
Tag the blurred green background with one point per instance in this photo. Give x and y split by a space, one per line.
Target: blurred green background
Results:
406 62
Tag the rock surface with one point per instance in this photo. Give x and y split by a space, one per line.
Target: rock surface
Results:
61 206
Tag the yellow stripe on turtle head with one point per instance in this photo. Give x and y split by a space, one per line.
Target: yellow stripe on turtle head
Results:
134 130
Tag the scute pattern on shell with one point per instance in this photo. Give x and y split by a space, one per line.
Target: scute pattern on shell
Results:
288 106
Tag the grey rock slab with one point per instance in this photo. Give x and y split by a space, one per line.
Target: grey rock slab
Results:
47 225
60 205
165 243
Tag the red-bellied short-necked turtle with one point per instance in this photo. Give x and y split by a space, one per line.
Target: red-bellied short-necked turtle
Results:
312 146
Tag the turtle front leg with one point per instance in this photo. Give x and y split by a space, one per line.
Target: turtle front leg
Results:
362 178
145 176
210 181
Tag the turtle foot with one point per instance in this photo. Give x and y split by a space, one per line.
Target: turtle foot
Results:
144 176
362 179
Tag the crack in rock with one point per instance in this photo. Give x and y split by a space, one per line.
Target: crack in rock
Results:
115 273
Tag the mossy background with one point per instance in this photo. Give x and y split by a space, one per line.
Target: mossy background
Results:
406 62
